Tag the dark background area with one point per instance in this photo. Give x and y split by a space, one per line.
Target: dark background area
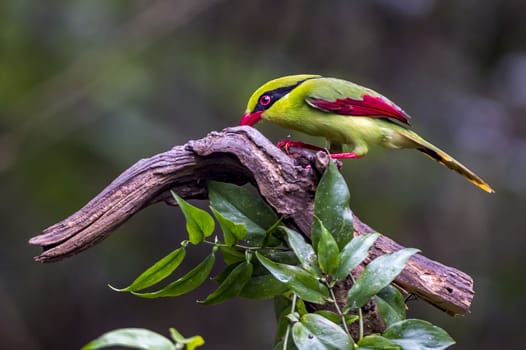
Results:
89 87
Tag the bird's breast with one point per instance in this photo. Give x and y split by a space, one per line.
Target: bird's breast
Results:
334 127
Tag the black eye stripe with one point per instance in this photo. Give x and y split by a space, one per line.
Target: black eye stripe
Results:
275 95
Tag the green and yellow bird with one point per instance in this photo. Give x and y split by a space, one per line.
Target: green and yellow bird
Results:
345 114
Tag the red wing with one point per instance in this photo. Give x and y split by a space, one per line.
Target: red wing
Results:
368 106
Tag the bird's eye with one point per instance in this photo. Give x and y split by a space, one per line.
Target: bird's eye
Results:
265 100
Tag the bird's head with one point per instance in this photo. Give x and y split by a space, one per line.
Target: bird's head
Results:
270 92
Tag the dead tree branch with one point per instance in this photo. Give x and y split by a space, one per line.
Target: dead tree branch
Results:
238 155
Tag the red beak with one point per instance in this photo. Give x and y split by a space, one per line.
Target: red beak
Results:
251 118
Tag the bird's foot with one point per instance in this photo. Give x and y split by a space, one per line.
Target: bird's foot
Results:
286 144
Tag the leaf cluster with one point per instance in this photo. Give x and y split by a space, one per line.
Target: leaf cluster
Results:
265 259
139 338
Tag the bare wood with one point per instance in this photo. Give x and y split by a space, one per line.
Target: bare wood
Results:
237 155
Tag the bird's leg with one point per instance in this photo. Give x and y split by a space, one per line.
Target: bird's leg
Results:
336 151
348 155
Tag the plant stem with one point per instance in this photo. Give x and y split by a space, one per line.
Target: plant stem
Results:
360 323
360 314
339 311
275 225
287 332
219 244
342 316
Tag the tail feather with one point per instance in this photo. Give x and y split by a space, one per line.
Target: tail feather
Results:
445 159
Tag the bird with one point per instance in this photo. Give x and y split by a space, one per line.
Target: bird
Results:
344 113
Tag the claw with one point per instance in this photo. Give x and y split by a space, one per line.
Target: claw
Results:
285 144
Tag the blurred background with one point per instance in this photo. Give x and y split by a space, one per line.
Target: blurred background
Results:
89 87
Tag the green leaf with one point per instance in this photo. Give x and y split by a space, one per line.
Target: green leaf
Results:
219 278
303 283
282 256
328 251
242 207
262 287
354 253
378 274
301 308
334 317
185 284
331 206
199 223
232 255
330 315
318 333
418 335
157 272
350 318
303 251
232 232
391 305
191 343
136 338
232 285
376 342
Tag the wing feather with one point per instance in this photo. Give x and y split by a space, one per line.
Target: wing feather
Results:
345 98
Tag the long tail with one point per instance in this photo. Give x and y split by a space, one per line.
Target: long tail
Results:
445 159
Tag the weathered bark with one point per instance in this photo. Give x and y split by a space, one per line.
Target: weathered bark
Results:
238 155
